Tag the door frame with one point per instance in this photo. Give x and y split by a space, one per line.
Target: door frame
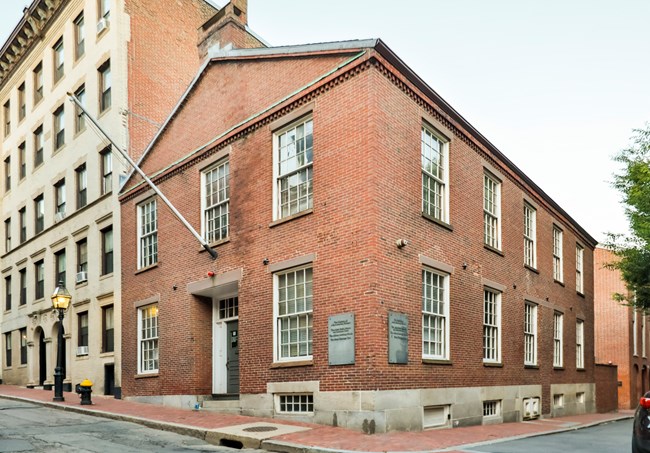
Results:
220 348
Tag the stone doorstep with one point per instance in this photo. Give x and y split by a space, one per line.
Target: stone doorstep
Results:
251 435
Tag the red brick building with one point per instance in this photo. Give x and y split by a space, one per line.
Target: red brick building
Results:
381 264
621 335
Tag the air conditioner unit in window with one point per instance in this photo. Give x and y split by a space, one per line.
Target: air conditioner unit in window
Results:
102 25
59 216
82 277
82 350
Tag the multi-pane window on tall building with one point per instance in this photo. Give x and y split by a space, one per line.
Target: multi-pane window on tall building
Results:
105 86
23 345
39 277
216 202
22 280
580 344
491 326
82 186
79 117
22 224
434 154
580 253
294 314
7 235
60 268
107 170
6 114
38 83
557 254
8 350
82 330
59 60
59 199
147 234
108 344
39 214
8 293
530 334
558 351
22 104
7 173
148 339
22 161
435 315
294 172
79 36
492 211
107 250
38 146
104 9
59 127
82 261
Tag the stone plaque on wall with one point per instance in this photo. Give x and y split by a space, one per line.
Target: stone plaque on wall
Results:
398 337
340 329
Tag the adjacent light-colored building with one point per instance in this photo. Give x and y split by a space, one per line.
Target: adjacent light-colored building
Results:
621 333
127 61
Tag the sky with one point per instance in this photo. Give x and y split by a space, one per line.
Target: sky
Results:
558 86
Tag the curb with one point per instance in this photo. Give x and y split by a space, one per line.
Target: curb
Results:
215 437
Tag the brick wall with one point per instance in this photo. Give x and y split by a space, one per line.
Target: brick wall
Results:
162 59
606 388
614 339
366 196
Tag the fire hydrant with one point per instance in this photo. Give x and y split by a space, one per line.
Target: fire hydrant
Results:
84 390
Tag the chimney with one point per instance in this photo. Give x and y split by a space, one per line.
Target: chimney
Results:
227 29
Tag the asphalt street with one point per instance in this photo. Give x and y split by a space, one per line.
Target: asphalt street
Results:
26 427
614 437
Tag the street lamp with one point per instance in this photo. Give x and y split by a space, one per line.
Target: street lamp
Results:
60 301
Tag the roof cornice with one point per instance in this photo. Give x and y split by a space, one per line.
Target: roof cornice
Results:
29 30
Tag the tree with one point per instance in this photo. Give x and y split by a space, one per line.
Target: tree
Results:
633 252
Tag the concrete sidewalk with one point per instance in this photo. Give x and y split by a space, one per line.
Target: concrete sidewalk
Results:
287 436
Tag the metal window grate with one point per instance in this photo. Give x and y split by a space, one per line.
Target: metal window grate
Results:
490 408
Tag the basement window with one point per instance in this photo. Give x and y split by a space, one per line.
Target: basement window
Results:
558 400
295 403
491 409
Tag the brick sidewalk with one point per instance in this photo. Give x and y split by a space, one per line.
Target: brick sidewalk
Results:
302 437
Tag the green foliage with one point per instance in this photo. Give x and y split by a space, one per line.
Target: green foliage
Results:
634 252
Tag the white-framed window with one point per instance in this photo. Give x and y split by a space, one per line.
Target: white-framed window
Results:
580 252
557 254
293 314
295 403
492 211
558 320
580 344
491 326
147 234
293 151
435 174
435 315
148 339
530 236
104 9
530 334
215 200
79 36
